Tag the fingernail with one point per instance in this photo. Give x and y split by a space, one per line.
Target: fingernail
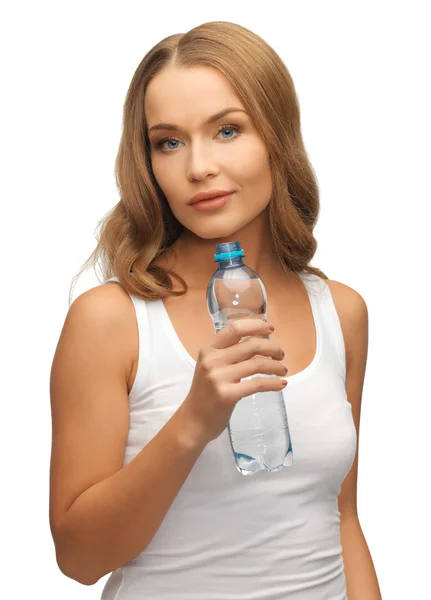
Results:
283 382
286 369
271 327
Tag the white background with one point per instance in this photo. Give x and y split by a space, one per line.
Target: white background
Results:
361 70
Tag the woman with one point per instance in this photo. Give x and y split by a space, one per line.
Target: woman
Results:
143 482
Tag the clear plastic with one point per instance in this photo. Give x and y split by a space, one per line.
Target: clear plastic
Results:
258 429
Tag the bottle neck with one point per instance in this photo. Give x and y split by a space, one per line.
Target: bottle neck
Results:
228 263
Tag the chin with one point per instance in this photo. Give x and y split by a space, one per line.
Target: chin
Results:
218 231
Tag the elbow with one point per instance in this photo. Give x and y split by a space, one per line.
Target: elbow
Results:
73 568
70 559
77 574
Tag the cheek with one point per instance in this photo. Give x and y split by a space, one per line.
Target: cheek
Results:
254 164
257 181
155 166
163 176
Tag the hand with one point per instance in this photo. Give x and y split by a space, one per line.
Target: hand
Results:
217 385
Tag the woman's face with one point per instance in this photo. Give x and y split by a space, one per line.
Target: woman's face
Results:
226 154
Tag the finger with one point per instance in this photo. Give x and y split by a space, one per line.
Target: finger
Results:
235 331
260 384
252 347
254 366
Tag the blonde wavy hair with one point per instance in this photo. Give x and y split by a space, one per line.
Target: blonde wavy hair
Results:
141 226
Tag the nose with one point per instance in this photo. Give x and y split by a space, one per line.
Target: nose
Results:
201 163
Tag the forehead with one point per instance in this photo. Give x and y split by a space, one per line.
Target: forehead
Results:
188 94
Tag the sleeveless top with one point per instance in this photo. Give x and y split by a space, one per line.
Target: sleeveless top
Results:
268 536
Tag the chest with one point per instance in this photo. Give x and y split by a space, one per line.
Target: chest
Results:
292 318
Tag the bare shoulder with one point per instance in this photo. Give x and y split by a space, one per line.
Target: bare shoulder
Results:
346 296
108 300
353 314
109 307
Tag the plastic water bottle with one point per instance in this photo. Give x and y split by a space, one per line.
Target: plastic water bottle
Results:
258 428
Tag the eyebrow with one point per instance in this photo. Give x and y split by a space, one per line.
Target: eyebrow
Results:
210 120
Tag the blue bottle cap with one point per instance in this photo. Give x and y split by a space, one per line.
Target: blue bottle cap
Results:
228 250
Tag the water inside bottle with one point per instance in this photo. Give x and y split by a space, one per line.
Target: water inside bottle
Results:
256 444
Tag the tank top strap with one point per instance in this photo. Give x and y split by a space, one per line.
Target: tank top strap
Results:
327 321
144 337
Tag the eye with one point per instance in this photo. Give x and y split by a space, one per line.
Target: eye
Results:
235 128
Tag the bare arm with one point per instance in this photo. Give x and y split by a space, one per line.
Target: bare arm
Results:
115 519
361 577
103 514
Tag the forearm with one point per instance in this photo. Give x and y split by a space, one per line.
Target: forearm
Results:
361 577
114 520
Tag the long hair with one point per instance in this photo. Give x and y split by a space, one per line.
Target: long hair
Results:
141 226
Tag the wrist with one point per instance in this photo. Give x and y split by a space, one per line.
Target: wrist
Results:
189 431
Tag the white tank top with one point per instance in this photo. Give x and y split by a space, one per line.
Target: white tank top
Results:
268 536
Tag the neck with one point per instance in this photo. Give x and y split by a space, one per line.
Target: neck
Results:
192 257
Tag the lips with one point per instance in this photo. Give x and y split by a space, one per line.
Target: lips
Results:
209 198
212 203
210 195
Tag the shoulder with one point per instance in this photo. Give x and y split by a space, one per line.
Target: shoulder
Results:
108 304
106 313
107 301
346 297
353 314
